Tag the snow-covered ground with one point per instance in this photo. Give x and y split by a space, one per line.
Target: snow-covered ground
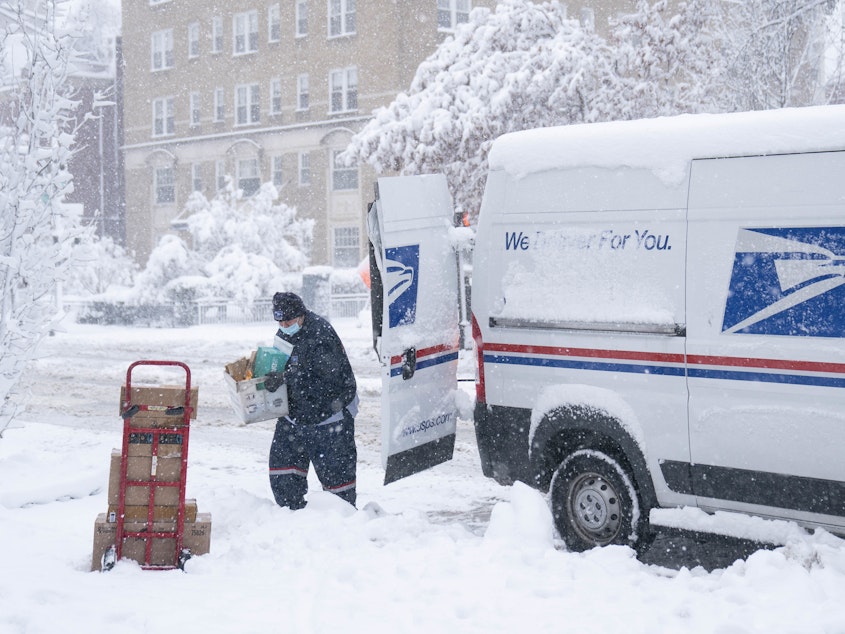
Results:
455 553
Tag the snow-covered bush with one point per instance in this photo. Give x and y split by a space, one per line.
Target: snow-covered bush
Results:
235 248
99 265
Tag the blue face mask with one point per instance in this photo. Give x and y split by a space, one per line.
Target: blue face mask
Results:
290 330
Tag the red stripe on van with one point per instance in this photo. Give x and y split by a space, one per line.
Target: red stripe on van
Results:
629 355
773 364
632 355
425 352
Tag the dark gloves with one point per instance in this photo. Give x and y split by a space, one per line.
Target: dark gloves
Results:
273 381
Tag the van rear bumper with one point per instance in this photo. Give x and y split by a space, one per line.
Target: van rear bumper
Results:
502 436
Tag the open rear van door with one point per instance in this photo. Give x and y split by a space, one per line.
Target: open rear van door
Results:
414 286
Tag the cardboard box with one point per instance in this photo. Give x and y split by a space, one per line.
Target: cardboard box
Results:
196 537
159 398
138 513
251 402
139 468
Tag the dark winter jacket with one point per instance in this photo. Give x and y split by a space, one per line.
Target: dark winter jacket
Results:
319 377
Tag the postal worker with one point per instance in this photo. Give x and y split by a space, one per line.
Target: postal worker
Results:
322 401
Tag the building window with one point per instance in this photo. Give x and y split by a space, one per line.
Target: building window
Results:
165 185
347 243
194 39
277 171
196 177
195 108
249 176
451 13
304 168
343 88
219 104
276 96
220 175
162 49
217 34
341 17
302 92
247 104
274 23
344 177
245 32
163 116
301 18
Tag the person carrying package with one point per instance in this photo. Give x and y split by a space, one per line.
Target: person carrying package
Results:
322 401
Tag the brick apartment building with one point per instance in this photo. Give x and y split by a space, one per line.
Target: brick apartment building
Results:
260 90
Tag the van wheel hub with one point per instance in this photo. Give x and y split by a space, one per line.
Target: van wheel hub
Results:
595 508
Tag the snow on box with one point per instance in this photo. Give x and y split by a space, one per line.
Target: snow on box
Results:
666 145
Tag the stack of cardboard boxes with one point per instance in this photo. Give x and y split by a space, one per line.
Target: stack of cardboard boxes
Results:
155 444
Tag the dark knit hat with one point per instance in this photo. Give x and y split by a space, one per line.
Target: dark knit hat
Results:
287 306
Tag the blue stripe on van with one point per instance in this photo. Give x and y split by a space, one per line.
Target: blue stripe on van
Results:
694 372
767 377
585 365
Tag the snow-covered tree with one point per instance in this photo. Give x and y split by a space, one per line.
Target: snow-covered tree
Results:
775 53
238 248
525 65
36 139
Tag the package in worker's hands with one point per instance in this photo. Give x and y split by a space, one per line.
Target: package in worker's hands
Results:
251 402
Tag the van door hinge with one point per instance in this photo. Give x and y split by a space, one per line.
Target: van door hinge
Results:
409 363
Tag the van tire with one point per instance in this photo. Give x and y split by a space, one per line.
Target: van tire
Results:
594 503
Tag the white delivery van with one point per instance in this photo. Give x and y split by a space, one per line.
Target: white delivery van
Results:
658 309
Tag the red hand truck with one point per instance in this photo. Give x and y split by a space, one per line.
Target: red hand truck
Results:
158 538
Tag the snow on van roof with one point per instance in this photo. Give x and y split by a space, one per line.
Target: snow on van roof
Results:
666 145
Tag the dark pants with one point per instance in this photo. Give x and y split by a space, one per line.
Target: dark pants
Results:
329 447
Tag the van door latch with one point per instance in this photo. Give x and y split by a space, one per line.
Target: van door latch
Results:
409 363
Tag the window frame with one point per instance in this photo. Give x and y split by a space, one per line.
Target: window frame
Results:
219 104
248 20
341 20
193 40
303 92
274 23
161 188
342 176
251 106
195 109
456 15
253 176
220 175
276 96
347 91
304 169
277 171
161 45
350 245
196 177
300 22
217 35
165 116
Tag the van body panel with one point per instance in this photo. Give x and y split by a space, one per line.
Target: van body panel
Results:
765 333
416 283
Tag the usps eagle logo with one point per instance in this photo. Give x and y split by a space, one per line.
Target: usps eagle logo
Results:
788 281
400 283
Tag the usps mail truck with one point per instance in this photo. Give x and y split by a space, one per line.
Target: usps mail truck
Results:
658 315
